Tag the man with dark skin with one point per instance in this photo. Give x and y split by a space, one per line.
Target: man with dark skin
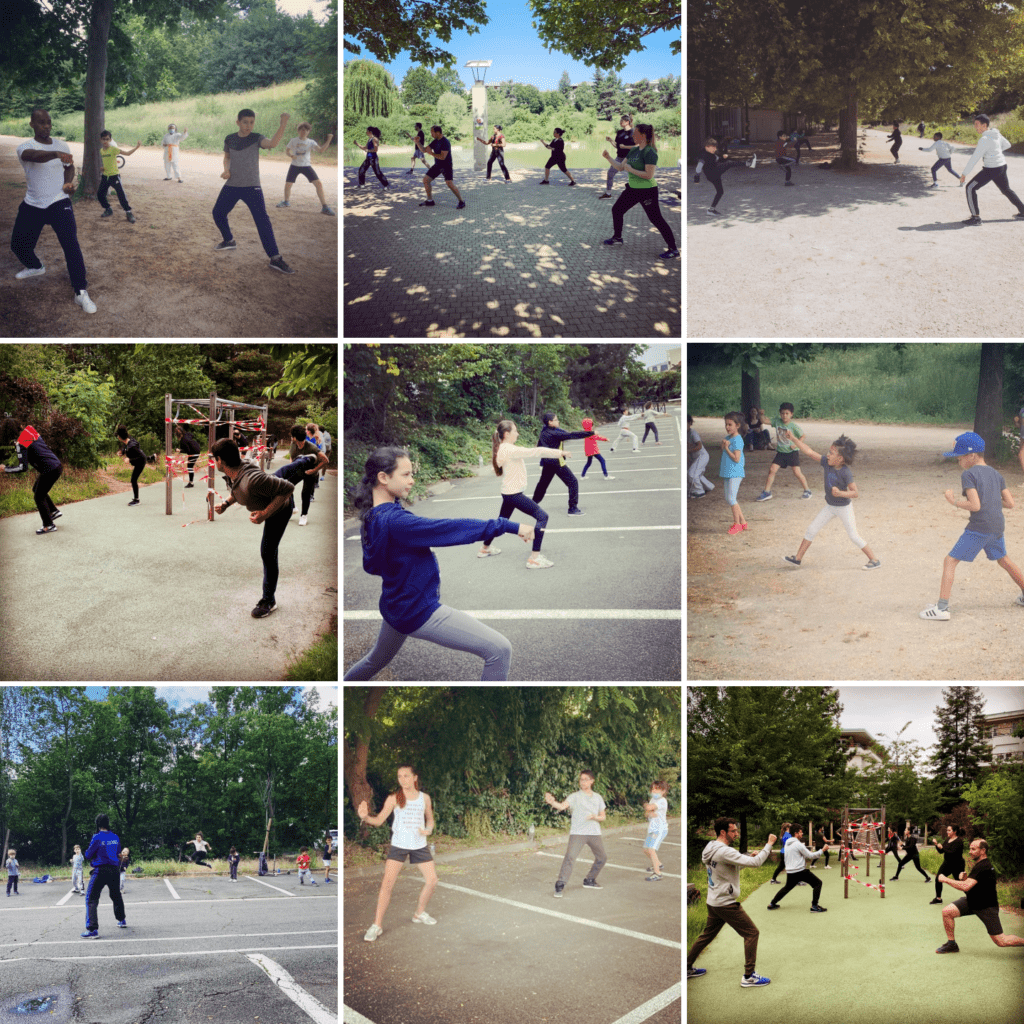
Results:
47 201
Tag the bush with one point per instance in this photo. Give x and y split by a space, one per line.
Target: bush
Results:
996 804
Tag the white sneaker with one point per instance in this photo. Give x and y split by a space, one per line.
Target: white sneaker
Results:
28 272
423 918
487 554
372 933
83 300
538 562
933 612
302 520
609 478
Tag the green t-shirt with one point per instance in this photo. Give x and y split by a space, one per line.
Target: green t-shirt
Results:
640 158
109 156
782 446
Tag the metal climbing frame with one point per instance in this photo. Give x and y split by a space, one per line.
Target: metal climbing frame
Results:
215 407
872 820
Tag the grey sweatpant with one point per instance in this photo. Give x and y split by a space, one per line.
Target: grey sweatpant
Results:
576 844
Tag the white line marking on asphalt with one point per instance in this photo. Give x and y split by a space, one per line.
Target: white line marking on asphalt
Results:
66 897
309 1004
563 614
565 917
165 903
636 839
609 864
167 882
155 956
590 494
354 1017
652 1006
176 938
269 886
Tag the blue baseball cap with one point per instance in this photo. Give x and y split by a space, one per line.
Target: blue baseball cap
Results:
967 444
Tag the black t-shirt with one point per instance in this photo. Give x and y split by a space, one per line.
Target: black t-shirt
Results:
189 444
442 145
558 149
624 142
983 894
953 855
131 448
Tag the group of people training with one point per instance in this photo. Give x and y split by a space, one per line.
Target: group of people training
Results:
635 154
413 824
267 497
396 543
50 174
723 865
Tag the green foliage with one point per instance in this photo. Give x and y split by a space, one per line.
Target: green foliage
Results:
450 110
996 802
89 398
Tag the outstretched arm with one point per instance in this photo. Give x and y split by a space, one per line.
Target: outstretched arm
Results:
805 448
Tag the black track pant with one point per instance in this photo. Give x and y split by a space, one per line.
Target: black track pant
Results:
648 200
794 878
109 876
983 177
566 475
496 155
915 857
137 468
41 492
114 182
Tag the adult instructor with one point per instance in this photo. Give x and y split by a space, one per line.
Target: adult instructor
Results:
989 150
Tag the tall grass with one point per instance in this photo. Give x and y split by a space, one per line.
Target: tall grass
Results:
933 384
208 120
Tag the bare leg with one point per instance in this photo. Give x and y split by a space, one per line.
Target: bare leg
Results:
431 884
1007 940
949 915
801 478
287 190
949 565
867 551
1014 572
319 186
737 514
391 869
426 185
451 185
772 470
804 545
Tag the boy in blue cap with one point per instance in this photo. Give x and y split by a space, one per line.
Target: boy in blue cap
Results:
104 853
982 487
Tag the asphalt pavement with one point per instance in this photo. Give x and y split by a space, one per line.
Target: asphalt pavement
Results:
608 610
119 593
200 949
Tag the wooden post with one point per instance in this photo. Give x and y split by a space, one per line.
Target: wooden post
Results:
212 436
845 855
266 838
881 881
167 448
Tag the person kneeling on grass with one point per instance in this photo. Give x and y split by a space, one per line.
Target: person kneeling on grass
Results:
983 488
840 490
980 899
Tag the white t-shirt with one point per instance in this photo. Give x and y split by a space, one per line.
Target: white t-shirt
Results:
659 821
582 806
45 181
301 149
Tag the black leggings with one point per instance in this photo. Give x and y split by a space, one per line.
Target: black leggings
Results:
497 155
523 504
648 199
950 870
911 855
41 492
372 163
114 182
137 468
566 475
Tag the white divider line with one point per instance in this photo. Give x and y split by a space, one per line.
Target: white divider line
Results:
639 839
176 938
167 882
269 886
591 494
65 898
309 1004
163 903
652 1006
609 864
157 956
565 917
354 1017
563 614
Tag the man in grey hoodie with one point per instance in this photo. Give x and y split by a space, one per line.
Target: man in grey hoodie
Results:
723 864
989 150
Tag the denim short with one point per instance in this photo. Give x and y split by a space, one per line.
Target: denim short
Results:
653 840
966 549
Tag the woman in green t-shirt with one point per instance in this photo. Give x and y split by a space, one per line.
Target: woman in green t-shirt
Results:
641 188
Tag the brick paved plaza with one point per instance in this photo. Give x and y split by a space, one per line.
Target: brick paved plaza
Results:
522 260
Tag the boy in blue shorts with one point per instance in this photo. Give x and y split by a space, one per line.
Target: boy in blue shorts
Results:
786 454
982 488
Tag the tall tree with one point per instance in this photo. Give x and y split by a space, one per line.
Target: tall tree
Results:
988 413
961 747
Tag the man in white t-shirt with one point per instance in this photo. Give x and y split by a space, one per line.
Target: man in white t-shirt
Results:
49 174
299 150
587 812
171 143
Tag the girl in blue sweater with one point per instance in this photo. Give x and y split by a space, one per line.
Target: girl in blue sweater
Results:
396 547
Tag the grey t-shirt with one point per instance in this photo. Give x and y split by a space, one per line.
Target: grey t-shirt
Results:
245 159
581 804
990 486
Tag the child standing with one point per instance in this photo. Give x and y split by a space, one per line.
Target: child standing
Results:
649 417
588 811
111 178
233 858
590 450
943 152
786 454
697 458
302 861
624 431
983 488
785 162
77 874
840 490
299 149
328 852
732 468
897 141
657 828
12 871
714 167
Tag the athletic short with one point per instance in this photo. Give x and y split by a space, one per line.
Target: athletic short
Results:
786 459
989 916
420 856
439 169
653 840
307 172
970 544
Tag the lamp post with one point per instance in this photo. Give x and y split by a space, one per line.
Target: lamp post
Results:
479 97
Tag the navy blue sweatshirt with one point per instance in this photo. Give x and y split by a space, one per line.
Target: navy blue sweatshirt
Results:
396 547
33 451
104 848
552 437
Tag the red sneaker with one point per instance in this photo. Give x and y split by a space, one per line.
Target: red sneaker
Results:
735 528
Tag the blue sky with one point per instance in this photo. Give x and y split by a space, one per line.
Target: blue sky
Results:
511 42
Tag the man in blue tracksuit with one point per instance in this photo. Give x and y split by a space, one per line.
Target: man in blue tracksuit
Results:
552 437
104 854
33 451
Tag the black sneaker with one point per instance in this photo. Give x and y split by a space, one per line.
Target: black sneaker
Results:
263 608
429 202
56 515
970 220
576 512
223 245
948 947
590 883
47 529
279 264
559 886
134 501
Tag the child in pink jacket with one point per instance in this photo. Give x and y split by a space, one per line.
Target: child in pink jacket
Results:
591 452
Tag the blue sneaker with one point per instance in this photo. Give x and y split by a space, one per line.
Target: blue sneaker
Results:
90 935
696 972
754 980
763 496
122 924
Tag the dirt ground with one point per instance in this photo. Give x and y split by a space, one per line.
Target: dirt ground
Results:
160 276
752 616
873 253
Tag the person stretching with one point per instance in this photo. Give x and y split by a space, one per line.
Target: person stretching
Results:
202 849
557 158
897 141
952 857
649 417
943 153
133 454
591 451
989 150
33 451
553 436
796 856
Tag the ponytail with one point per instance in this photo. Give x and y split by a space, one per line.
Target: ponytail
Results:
383 460
503 427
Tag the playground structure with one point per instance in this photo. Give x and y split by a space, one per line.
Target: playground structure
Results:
214 408
866 834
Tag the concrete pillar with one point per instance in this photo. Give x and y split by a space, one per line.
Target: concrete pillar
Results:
480 151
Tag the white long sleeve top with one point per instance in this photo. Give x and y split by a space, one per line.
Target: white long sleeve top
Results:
943 150
989 150
510 458
723 864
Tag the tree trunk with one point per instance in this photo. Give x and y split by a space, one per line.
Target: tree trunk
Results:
988 413
359 788
95 89
848 130
750 391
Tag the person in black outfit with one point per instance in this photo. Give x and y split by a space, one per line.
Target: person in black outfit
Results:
822 844
552 437
132 451
191 447
893 846
910 848
623 144
557 158
781 866
952 857
897 138
497 144
33 451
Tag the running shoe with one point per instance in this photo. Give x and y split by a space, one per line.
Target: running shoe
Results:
108 212
752 162
277 263
815 909
223 245
590 883
576 512
792 560
90 935
48 529
696 972
131 217
872 565
613 241
538 562
461 205
429 202
972 221
934 612
30 272
717 213
806 494
487 554
422 918
285 203
754 981
263 608
82 299
764 496
372 933
670 254
948 947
